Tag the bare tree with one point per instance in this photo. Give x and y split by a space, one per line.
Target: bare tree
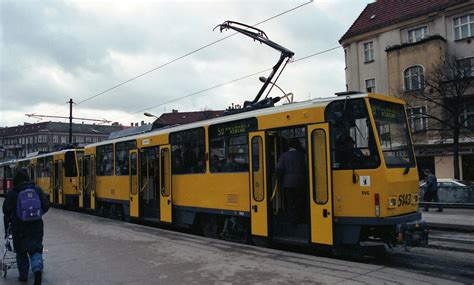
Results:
444 89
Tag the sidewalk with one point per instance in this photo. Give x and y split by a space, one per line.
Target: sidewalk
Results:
461 219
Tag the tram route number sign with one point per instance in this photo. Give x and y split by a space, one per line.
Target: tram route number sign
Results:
233 128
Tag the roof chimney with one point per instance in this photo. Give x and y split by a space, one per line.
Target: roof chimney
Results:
142 123
175 111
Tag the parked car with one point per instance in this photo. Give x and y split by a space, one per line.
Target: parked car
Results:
449 190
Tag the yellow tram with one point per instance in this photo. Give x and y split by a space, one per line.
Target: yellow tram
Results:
356 191
57 174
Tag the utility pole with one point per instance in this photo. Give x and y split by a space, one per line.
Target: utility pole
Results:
70 121
70 102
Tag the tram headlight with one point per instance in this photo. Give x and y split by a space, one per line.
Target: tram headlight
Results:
392 202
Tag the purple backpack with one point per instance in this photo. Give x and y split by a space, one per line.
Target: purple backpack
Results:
28 206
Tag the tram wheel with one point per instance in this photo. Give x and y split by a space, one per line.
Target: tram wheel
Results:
209 226
260 241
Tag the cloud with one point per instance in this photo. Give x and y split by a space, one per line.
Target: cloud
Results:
52 51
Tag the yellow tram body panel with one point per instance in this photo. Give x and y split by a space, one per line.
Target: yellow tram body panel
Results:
358 200
45 184
223 191
112 187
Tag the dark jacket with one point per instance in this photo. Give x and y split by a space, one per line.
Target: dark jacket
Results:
27 236
291 168
432 183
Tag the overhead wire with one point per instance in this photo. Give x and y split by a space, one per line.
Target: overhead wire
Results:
221 84
183 56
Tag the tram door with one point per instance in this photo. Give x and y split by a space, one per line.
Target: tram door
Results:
150 183
80 162
166 204
134 185
258 197
57 182
90 186
86 182
320 184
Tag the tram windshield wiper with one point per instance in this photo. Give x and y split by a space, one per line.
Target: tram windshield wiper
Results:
261 37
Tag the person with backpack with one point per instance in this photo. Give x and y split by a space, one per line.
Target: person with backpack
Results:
23 209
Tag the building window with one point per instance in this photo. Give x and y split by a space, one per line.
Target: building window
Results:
55 139
463 27
188 149
370 85
229 150
418 34
345 57
63 139
369 52
413 78
418 119
467 66
466 117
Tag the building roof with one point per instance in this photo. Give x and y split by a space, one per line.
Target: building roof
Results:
383 13
181 118
57 127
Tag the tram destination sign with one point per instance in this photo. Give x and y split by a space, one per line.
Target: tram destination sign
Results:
235 128
388 112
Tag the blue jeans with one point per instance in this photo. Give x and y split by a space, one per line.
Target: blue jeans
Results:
23 262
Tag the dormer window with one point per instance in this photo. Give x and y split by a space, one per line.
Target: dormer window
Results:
417 34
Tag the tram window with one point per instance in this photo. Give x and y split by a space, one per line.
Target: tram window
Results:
392 127
352 139
40 167
188 148
258 175
48 166
229 145
105 160
70 164
320 180
165 187
122 154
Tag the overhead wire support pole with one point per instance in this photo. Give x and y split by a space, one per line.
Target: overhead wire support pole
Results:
70 120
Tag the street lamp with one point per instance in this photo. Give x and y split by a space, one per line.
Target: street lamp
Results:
154 116
263 79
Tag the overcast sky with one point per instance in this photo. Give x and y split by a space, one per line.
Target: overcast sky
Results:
52 51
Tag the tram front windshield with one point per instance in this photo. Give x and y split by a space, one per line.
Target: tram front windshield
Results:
392 128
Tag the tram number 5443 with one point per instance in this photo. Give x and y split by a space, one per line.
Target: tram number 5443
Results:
404 200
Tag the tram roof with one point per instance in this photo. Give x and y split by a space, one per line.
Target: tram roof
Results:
318 102
47 154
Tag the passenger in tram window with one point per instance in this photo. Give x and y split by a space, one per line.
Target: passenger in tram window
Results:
291 172
231 165
189 159
216 164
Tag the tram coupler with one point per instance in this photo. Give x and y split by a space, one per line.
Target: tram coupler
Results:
413 234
